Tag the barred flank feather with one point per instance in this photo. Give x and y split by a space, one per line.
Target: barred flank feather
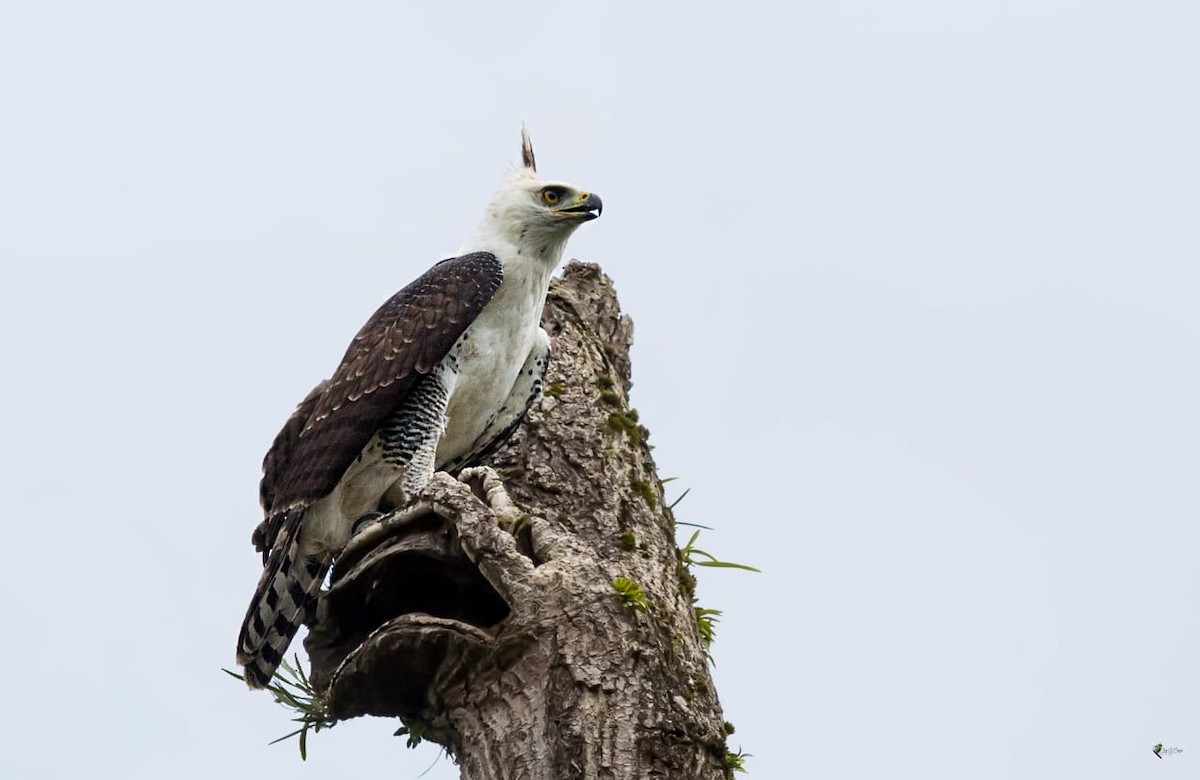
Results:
286 592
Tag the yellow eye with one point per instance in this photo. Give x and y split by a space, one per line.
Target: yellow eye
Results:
551 197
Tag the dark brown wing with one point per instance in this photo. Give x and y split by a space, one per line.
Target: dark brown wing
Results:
274 465
405 339
274 468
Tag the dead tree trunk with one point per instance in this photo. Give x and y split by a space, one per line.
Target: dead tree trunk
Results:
555 640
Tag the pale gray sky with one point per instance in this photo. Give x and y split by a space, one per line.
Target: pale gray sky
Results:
915 290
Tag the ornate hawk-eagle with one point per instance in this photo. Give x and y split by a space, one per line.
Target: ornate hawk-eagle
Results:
439 376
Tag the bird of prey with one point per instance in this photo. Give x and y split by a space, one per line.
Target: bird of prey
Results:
437 378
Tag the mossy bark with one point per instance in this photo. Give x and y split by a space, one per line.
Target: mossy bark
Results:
494 628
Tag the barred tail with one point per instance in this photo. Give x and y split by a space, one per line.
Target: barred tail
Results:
285 594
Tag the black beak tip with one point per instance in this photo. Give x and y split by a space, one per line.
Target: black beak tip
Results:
590 209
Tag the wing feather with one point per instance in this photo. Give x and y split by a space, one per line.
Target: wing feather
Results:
274 469
275 462
403 340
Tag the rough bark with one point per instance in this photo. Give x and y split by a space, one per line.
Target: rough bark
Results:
494 628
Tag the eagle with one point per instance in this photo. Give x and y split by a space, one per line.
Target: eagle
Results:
439 376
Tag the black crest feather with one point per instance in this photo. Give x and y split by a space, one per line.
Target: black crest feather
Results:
527 150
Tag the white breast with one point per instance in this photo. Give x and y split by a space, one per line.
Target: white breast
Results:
491 356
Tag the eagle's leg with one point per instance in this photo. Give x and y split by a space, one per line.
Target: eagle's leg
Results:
501 425
410 437
548 543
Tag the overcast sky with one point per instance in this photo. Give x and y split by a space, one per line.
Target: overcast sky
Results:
914 286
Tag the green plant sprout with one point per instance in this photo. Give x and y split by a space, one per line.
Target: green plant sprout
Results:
631 593
292 689
735 762
691 555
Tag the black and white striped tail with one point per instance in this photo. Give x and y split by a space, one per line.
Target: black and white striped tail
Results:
285 594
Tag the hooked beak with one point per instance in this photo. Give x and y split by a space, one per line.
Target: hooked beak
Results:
587 207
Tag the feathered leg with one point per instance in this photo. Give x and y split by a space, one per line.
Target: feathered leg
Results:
411 435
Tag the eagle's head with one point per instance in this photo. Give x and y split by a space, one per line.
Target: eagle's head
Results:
536 214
